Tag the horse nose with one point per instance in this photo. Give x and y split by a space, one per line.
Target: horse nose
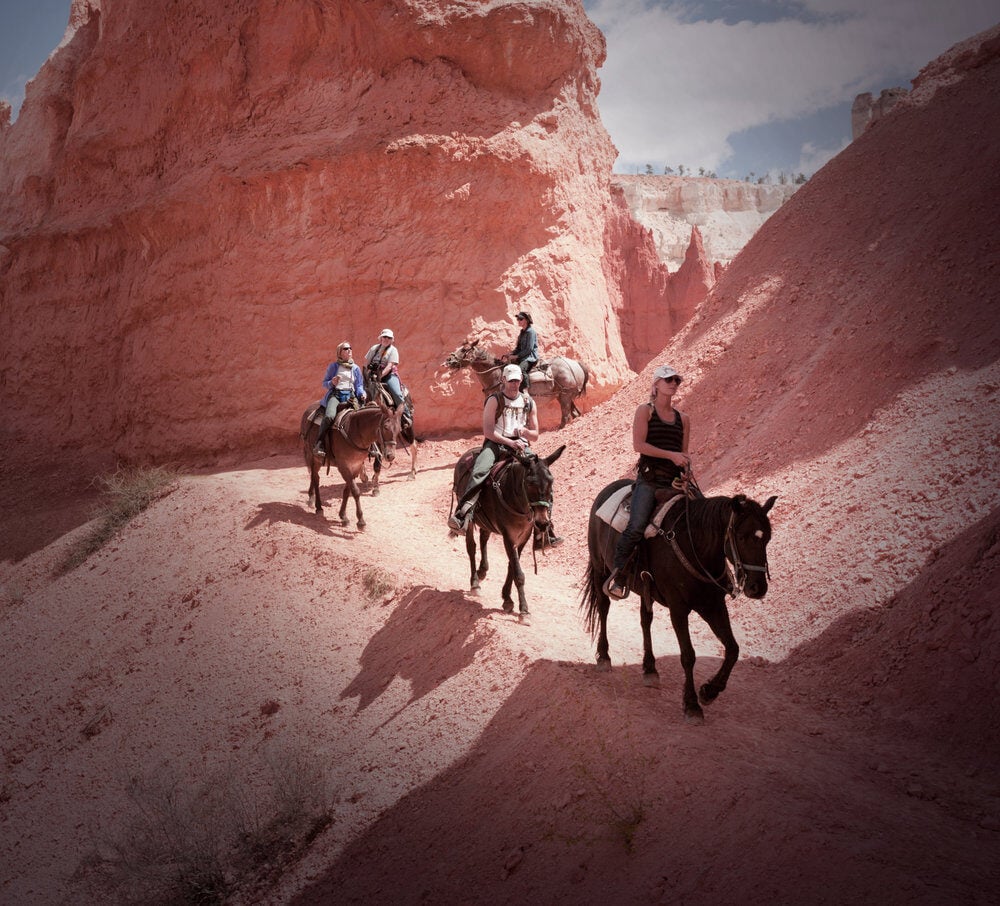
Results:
755 587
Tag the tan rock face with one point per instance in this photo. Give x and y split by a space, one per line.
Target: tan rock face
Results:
190 225
726 212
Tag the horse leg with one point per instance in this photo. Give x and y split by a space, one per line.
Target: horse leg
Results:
413 461
565 405
692 710
470 547
649 675
351 490
514 575
484 563
717 618
376 470
314 487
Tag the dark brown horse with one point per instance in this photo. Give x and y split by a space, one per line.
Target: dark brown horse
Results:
684 567
350 442
407 438
515 501
559 378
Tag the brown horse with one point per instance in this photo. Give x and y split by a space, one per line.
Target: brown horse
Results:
559 378
684 568
350 442
514 502
379 393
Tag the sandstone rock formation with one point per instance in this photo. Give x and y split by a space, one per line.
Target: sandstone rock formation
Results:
865 110
848 361
190 225
726 212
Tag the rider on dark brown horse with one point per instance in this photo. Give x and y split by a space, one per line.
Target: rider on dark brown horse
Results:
660 436
344 384
510 420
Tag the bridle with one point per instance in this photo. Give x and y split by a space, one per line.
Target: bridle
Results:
382 446
733 555
726 581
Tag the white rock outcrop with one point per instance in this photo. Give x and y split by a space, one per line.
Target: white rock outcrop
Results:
726 211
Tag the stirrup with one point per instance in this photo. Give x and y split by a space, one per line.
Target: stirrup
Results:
615 588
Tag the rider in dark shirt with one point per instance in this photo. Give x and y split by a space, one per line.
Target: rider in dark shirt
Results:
660 436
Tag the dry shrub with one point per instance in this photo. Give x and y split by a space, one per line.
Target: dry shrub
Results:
203 844
127 493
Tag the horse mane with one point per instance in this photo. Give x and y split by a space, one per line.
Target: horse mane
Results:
708 517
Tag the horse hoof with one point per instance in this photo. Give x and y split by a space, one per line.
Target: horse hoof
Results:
374 492
508 606
604 665
694 716
707 695
524 619
652 680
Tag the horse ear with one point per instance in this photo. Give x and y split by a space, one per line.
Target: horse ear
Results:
552 457
739 501
770 503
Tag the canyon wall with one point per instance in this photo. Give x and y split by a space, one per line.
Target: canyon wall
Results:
727 212
198 203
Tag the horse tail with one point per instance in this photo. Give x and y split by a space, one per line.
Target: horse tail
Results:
590 598
586 377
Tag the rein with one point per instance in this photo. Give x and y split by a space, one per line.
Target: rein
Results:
495 483
379 437
726 581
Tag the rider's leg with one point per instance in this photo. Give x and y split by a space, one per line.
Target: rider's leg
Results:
459 520
641 508
324 426
395 390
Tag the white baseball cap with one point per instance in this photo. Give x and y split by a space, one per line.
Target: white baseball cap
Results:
387 333
664 371
512 372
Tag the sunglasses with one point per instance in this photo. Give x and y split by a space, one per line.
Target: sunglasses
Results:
672 380
345 347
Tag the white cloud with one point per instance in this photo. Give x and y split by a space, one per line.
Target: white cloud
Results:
676 88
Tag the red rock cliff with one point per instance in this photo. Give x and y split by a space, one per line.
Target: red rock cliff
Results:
196 208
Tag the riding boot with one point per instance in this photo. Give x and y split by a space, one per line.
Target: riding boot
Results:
460 519
616 586
319 449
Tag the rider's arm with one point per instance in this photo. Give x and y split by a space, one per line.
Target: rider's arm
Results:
391 358
359 385
490 427
331 373
530 432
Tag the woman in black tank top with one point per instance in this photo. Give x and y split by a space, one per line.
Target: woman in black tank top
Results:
660 437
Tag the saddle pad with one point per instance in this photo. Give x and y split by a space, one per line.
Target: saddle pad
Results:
315 416
614 511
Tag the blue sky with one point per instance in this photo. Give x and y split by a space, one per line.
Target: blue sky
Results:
734 87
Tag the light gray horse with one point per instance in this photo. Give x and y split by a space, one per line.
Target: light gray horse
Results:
558 378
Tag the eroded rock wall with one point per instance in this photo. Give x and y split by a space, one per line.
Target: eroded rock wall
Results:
727 212
197 204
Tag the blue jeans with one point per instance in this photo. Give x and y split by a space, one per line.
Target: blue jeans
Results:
643 504
395 388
